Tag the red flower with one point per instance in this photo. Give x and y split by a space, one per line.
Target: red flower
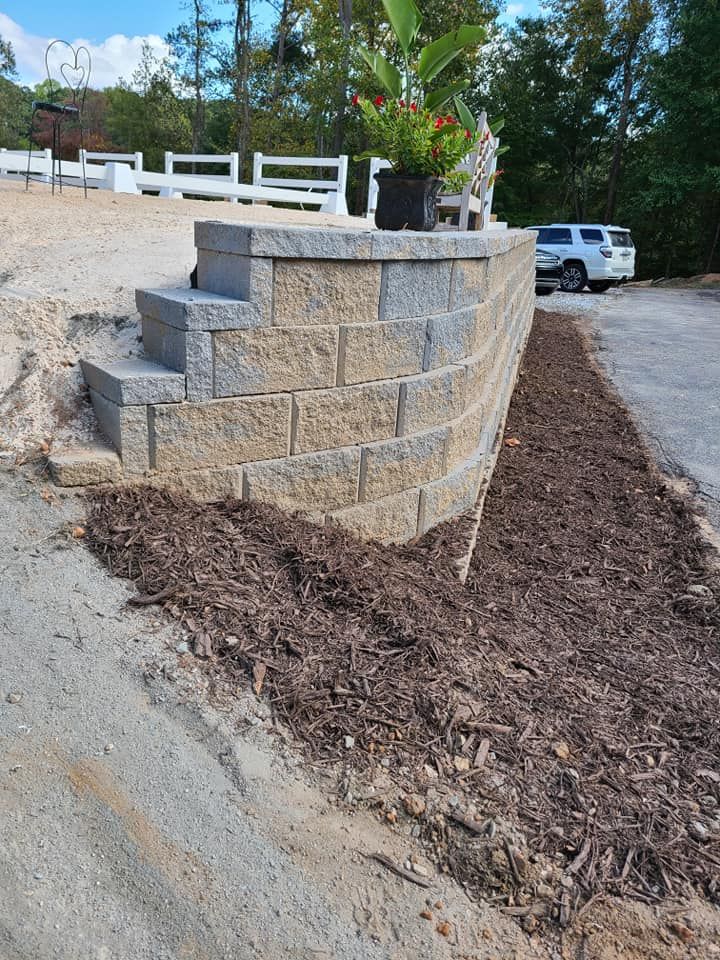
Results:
439 122
468 135
413 107
450 119
355 100
401 102
378 101
435 151
500 172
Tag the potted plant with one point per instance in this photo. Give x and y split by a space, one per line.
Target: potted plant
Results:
412 127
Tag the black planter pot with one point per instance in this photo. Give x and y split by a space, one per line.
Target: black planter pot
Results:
406 203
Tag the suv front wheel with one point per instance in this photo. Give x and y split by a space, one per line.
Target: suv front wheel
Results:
574 277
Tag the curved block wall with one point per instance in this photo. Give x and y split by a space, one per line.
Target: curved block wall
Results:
358 376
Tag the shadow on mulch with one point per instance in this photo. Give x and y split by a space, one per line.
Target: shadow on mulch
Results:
571 684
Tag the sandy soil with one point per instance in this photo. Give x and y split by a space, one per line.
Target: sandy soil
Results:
69 268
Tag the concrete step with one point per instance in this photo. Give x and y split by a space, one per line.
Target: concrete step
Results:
134 382
188 309
85 466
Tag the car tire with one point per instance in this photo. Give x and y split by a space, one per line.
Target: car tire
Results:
599 286
574 277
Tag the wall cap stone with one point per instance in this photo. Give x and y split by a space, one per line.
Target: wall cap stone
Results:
359 243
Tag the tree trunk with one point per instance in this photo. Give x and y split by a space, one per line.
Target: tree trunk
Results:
241 41
345 10
621 132
280 59
197 82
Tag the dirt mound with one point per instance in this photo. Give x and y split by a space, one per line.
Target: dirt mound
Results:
570 687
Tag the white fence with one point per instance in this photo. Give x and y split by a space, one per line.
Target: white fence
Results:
335 196
121 178
476 196
136 159
230 160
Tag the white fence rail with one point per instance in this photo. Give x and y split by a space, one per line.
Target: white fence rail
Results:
136 159
230 160
335 201
120 178
476 196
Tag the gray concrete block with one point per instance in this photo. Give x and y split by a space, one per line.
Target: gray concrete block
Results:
389 466
274 240
134 382
239 277
415 288
431 398
187 351
327 480
451 495
490 243
411 245
127 429
85 466
198 309
450 337
470 282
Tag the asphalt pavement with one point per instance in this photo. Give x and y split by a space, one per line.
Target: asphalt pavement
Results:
661 349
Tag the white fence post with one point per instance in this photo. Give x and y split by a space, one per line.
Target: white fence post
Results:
2 170
167 192
119 178
336 201
138 160
376 165
257 170
234 171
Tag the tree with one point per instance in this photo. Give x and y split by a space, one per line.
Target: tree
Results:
192 45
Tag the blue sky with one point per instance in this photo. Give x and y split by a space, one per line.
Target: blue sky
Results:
113 31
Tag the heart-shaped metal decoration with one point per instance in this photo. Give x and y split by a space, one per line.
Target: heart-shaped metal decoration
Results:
63 60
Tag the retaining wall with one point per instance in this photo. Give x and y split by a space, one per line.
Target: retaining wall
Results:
358 376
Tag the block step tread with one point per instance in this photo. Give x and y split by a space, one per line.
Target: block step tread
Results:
190 309
134 382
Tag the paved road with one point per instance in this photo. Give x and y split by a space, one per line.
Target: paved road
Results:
661 348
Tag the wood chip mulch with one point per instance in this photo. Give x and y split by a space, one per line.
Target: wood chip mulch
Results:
572 683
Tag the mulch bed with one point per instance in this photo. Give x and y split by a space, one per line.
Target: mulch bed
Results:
571 685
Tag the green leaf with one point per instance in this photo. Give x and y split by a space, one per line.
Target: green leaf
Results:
405 19
496 126
369 154
501 150
437 55
438 98
466 117
388 74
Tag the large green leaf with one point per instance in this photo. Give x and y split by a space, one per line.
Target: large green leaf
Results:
438 98
497 125
437 55
466 117
405 19
388 74
501 150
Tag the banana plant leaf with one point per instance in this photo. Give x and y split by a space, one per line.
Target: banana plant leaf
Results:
437 55
438 98
405 20
388 74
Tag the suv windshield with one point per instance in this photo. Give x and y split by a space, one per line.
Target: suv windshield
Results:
620 238
553 235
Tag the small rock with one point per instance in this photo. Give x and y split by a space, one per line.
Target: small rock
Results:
681 931
385 762
461 763
561 750
109 747
182 647
439 905
443 928
430 772
487 934
699 590
698 830
391 816
529 924
349 742
414 805
544 890
78 532
14 697
420 870
426 915
454 802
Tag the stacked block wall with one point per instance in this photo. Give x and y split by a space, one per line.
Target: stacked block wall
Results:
362 379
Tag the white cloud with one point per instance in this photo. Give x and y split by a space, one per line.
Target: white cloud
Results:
514 9
115 57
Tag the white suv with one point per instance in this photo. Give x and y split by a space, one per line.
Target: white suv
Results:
592 254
